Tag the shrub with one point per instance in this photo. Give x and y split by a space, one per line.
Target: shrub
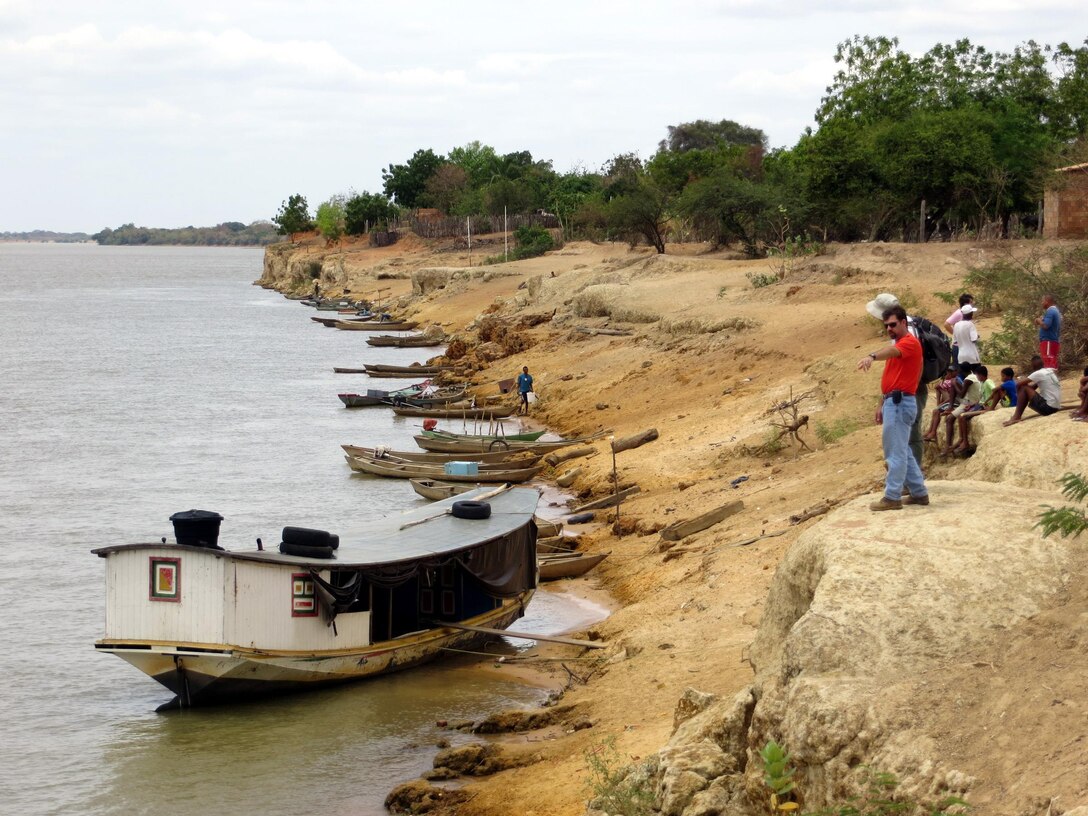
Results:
761 279
616 788
834 431
1068 521
531 241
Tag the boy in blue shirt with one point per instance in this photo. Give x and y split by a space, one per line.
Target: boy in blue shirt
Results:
525 387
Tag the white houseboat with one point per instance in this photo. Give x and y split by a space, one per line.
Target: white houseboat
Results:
214 624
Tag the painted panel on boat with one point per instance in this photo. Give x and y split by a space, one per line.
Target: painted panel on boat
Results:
270 606
165 594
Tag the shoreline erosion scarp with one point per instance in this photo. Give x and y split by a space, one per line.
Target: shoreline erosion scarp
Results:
696 351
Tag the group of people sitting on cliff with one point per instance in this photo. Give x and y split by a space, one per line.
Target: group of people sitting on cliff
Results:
967 390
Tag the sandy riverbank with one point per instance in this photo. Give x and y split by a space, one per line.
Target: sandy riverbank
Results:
707 358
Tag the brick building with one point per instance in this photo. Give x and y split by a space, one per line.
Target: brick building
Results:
1065 205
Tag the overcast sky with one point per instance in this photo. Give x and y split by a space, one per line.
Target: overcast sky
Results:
168 114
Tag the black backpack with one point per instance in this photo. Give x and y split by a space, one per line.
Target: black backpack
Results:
936 348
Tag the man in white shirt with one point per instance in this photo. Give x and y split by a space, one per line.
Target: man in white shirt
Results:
1041 390
965 336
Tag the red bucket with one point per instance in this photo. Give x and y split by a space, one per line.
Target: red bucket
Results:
430 424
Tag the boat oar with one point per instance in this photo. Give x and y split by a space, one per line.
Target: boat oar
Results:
488 495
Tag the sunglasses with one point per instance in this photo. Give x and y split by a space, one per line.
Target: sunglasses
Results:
891 325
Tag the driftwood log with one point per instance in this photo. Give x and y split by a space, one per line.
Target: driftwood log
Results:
556 458
638 440
611 332
607 501
682 529
567 479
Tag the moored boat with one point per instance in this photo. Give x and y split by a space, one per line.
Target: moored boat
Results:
376 396
520 458
567 565
453 412
410 341
375 325
485 473
213 624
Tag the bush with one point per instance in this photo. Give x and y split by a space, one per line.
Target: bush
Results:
616 788
761 279
834 431
531 241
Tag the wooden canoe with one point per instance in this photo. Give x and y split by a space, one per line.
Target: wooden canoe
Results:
376 467
374 325
511 458
379 397
435 490
380 370
546 528
438 445
411 341
554 567
436 470
528 436
454 412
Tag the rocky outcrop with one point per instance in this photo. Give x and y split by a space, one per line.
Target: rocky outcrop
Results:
861 608
1033 453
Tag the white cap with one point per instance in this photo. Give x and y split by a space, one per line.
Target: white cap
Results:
967 309
880 303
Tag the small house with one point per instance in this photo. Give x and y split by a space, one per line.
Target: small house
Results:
1065 204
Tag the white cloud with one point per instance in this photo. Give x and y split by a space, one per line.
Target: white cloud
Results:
128 98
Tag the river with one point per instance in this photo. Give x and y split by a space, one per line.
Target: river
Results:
138 382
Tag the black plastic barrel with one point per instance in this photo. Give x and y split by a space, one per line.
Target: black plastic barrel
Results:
197 528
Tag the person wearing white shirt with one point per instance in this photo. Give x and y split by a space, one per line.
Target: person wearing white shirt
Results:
965 336
1041 390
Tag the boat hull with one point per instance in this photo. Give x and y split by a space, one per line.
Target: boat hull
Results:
206 676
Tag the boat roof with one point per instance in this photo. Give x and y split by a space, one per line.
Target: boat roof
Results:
422 532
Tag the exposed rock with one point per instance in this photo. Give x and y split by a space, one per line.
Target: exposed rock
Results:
862 604
1034 453
475 759
418 796
518 720
489 352
693 702
687 770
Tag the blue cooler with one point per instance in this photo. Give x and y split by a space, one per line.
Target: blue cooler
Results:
462 468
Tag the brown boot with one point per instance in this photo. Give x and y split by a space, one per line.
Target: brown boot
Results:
886 504
922 500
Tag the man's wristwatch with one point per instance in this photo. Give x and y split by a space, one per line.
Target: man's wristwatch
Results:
872 354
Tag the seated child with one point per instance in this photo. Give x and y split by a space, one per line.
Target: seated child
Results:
970 393
988 389
946 400
1081 414
1005 394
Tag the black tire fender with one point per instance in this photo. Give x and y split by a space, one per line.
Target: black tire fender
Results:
303 551
306 537
471 510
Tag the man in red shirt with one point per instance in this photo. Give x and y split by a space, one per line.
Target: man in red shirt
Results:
897 411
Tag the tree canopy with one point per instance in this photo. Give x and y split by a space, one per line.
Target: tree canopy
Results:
967 134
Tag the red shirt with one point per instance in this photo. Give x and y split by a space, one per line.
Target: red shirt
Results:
902 373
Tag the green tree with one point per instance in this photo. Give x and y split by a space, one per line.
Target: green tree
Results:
407 183
366 210
446 187
479 161
330 219
634 206
703 135
293 216
732 208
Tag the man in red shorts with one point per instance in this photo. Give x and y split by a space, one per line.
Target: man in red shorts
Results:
1050 331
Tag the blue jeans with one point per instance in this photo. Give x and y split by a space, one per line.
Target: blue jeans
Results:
902 466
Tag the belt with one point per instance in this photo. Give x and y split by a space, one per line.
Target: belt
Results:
890 394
